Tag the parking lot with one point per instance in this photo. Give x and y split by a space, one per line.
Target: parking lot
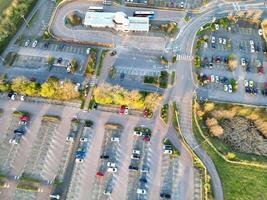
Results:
243 42
36 162
74 191
108 165
24 195
8 149
139 168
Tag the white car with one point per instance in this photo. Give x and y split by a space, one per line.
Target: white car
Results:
212 39
246 83
182 5
137 133
225 88
54 196
167 151
34 44
251 83
220 40
205 45
115 139
84 139
217 27
22 98
77 86
112 169
13 97
224 41
217 79
230 89
141 191
27 43
260 32
69 69
69 138
252 49
87 51
126 111
111 164
79 160
136 152
243 61
212 78
251 42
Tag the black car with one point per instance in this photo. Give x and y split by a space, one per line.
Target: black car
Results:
104 157
59 60
143 180
133 168
248 69
19 132
113 53
165 195
213 46
46 45
10 94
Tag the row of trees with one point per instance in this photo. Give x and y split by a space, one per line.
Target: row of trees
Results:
107 94
52 88
11 18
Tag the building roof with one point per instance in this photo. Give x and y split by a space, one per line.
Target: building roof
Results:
118 20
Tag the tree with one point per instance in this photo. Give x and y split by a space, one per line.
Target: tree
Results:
152 100
74 65
211 122
49 89
32 89
66 91
232 62
216 130
50 60
19 84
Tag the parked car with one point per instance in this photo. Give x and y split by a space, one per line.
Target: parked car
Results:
115 139
165 195
212 39
46 44
135 157
22 98
34 44
13 97
225 88
104 157
136 152
27 43
87 51
99 174
59 60
141 191
123 110
246 83
143 180
167 151
243 61
111 164
112 169
133 168
113 53
230 89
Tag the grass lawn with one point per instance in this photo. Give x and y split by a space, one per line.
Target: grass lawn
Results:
239 182
4 4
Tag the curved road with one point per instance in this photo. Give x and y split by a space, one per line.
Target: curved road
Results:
184 88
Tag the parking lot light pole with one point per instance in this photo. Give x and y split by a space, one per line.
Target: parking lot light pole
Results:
27 24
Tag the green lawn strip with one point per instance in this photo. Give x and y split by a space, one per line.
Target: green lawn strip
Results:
160 81
91 64
239 181
51 118
173 76
164 113
20 113
103 54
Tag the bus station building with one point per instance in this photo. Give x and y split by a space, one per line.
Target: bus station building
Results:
118 21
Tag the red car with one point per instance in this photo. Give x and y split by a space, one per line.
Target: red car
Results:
123 110
146 139
24 118
260 70
99 174
146 113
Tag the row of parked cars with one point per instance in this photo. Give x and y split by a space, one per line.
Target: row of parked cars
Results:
13 96
19 132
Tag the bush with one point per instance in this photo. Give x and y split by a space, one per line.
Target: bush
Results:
91 63
74 19
74 65
163 79
164 60
88 123
50 60
103 54
150 79
51 118
164 113
232 62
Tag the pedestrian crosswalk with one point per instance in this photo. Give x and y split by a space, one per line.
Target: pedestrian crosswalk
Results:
236 6
93 81
183 57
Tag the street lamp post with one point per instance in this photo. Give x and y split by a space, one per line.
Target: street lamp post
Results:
26 22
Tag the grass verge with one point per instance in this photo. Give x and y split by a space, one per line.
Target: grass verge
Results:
239 181
103 54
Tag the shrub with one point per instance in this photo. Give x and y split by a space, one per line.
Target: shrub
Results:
74 65
74 19
216 130
232 62
211 122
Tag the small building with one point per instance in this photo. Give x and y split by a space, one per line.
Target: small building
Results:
118 21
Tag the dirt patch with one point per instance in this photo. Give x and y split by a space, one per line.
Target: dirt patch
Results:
241 135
